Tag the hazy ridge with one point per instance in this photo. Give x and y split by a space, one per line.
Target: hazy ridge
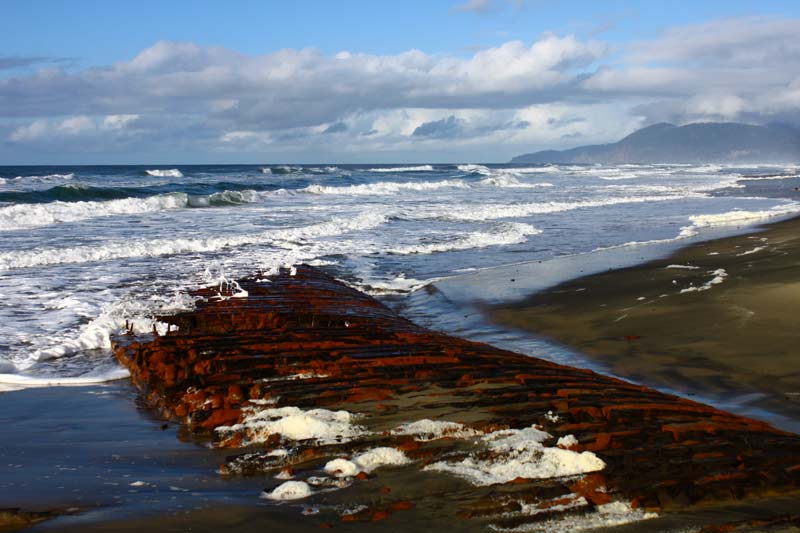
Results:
710 142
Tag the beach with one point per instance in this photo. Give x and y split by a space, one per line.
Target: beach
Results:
97 456
715 319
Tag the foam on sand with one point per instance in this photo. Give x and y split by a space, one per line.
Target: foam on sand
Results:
606 515
161 173
427 430
289 490
719 277
752 251
519 453
366 462
292 423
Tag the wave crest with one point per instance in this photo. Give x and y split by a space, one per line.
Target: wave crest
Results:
25 216
419 168
387 187
165 173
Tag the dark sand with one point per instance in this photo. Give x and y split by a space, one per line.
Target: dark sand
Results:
76 451
736 343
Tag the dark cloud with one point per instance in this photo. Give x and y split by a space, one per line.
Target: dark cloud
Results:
449 127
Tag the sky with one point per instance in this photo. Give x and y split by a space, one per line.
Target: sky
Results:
315 81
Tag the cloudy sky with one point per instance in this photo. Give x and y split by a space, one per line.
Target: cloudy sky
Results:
378 81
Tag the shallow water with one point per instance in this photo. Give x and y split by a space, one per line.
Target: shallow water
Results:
85 249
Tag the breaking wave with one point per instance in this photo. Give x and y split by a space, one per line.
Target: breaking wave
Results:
505 234
737 218
168 173
386 187
419 168
497 211
160 247
24 216
46 177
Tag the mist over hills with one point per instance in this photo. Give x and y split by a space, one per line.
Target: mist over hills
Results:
707 142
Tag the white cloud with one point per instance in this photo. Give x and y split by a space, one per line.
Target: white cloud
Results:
31 132
76 125
555 91
116 122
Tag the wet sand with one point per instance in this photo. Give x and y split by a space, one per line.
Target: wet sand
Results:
76 451
94 459
730 335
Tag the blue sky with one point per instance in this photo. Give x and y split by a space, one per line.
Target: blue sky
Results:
259 81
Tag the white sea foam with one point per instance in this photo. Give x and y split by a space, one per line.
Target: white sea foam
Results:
770 178
384 187
137 314
169 173
737 218
399 285
496 211
683 267
752 251
517 453
366 462
111 373
567 441
223 198
289 490
427 430
23 216
321 425
512 182
160 247
505 234
602 516
419 168
46 177
719 276
546 169
475 169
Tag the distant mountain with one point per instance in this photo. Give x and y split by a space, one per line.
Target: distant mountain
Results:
707 142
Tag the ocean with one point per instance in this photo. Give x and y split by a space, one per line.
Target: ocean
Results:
86 250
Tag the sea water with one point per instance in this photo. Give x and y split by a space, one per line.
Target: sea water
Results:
86 250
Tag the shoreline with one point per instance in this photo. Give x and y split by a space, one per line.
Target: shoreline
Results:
708 340
166 478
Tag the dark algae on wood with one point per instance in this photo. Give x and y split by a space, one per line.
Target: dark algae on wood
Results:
263 368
